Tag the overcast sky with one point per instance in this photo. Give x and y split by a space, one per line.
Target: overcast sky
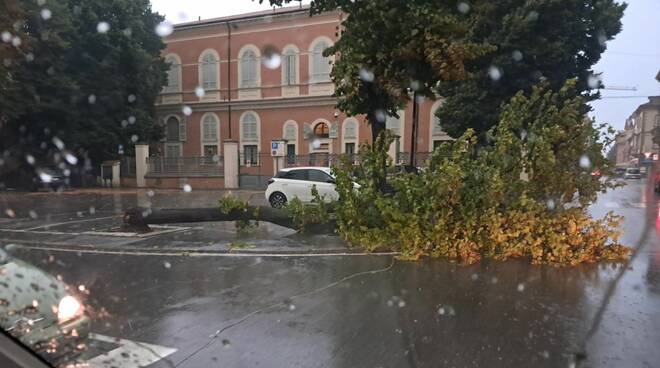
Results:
631 60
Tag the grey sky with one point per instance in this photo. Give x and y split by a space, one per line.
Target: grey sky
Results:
632 59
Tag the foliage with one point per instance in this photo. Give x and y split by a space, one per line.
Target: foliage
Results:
66 87
526 195
240 245
544 39
230 203
303 214
403 44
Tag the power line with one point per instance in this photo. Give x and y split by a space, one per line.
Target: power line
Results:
632 54
603 97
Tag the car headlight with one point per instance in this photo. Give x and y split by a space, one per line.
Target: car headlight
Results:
68 309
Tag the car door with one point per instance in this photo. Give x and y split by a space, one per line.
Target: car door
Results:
325 184
295 184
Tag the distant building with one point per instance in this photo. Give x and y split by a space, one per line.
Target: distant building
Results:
636 145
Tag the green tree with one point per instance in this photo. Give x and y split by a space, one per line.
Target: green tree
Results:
83 79
546 40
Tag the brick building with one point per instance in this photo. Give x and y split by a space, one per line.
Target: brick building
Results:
635 145
253 78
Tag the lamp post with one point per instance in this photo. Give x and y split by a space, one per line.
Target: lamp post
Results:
413 141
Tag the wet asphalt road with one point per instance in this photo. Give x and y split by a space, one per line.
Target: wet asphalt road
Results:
368 311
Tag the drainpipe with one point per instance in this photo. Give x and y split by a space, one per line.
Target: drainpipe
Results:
229 76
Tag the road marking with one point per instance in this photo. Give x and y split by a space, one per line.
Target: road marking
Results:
71 222
127 234
193 253
38 232
129 354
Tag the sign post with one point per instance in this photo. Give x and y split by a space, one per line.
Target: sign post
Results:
278 151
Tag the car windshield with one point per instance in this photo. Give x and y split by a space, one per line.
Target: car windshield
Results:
330 183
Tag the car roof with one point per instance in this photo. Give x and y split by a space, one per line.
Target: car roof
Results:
322 168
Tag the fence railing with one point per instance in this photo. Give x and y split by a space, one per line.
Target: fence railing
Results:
127 166
403 158
318 159
204 165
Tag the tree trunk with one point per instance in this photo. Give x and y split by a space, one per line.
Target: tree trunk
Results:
141 218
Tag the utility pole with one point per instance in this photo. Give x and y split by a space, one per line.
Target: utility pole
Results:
413 142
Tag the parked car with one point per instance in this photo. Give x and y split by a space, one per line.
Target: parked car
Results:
656 184
619 171
632 173
297 182
40 311
27 178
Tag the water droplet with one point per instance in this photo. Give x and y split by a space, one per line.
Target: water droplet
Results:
46 13
441 311
167 264
367 75
292 307
415 85
551 204
124 123
131 98
494 72
521 287
380 115
187 111
70 158
45 177
127 32
134 138
9 212
131 120
516 55
6 36
463 7
585 162
271 58
67 172
593 82
58 143
150 193
533 16
199 92
41 2
16 41
91 99
81 287
545 354
226 343
33 214
29 57
316 144
35 303
402 303
474 277
164 28
29 159
102 27
187 188
92 210
493 280
215 158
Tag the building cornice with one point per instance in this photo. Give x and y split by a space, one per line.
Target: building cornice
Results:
240 105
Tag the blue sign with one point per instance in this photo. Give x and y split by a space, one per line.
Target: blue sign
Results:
274 145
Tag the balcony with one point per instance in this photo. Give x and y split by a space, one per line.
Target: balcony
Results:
203 166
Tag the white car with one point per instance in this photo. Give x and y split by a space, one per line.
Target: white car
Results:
297 182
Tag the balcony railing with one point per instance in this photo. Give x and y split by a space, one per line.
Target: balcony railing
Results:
185 166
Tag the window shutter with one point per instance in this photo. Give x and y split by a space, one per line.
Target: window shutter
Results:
307 131
182 131
334 130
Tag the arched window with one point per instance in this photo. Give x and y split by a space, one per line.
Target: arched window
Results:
290 131
249 131
290 66
394 124
172 129
210 128
350 129
173 74
320 65
321 130
209 70
350 136
249 68
436 134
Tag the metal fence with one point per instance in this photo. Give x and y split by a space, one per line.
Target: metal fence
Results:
204 165
127 167
421 158
318 159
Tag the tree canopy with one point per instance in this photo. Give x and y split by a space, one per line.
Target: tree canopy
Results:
78 76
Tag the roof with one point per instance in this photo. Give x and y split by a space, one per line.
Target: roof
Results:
245 16
324 168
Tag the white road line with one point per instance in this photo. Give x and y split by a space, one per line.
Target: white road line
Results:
192 253
71 222
129 354
38 232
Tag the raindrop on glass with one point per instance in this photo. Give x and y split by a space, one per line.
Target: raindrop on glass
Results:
102 27
441 311
70 158
67 172
164 28
463 7
593 82
29 57
187 111
29 159
16 41
585 162
46 14
474 277
316 144
91 99
45 177
150 193
131 120
271 58
215 158
493 280
131 98
127 32
516 55
187 188
167 265
532 16
41 2
551 204
494 73
6 37
521 287
134 138
366 75
415 85
124 123
92 210
199 92
292 307
33 214
58 143
402 304
226 343
380 115
81 287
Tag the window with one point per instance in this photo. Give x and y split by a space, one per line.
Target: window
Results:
290 67
173 150
321 130
209 70
291 154
249 69
249 131
173 131
294 175
173 74
320 65
350 148
392 123
350 129
210 150
437 128
290 131
209 128
250 155
319 176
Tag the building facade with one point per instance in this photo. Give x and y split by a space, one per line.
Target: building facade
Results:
636 144
258 77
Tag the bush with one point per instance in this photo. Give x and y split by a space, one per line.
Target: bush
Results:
525 195
303 214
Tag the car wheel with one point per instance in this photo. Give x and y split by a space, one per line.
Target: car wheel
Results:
277 200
